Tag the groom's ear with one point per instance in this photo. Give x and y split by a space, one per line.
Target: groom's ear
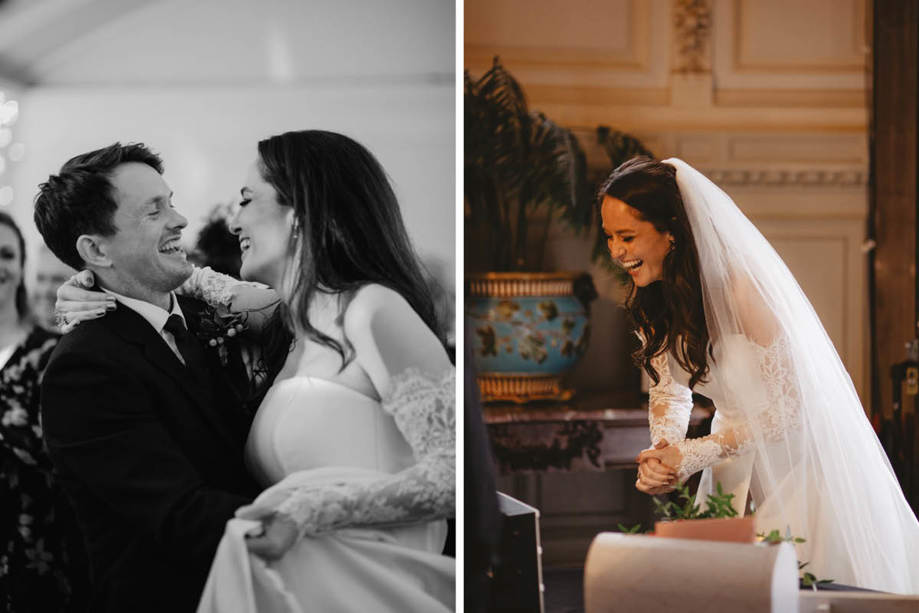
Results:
93 250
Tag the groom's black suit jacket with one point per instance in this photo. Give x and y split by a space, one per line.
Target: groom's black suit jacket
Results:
150 454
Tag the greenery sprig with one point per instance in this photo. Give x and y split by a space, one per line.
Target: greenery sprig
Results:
807 579
718 505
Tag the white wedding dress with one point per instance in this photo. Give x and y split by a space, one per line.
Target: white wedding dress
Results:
670 404
788 428
365 480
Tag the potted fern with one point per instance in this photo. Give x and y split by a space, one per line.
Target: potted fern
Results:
524 172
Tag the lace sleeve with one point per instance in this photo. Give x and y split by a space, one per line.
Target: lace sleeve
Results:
218 289
423 409
669 405
781 415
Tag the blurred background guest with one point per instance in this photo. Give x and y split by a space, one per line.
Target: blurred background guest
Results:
41 561
216 246
50 274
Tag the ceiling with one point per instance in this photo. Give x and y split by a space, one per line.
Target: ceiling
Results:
162 42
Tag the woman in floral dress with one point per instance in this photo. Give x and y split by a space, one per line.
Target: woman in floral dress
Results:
40 548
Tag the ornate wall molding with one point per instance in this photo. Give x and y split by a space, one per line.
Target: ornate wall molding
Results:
692 29
810 177
791 47
530 42
848 46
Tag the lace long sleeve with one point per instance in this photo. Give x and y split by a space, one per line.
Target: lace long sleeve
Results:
218 289
423 409
781 414
416 382
669 405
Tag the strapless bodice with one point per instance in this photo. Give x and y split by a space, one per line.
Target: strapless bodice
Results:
306 422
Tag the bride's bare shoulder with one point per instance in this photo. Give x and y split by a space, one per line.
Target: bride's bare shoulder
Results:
374 298
389 336
372 304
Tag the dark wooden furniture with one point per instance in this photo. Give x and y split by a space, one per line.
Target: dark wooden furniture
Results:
593 431
575 462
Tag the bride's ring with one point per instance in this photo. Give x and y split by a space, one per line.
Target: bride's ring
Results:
60 319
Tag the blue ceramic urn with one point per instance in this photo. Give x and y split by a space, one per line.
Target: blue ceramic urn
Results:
527 331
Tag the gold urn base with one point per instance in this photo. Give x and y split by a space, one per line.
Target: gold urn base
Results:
521 389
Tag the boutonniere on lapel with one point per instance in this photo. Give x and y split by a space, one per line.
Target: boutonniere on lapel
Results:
216 328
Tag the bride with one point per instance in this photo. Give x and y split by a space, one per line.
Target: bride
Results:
354 439
718 312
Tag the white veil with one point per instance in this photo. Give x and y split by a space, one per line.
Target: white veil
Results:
819 469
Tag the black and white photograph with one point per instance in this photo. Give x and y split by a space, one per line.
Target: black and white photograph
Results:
228 306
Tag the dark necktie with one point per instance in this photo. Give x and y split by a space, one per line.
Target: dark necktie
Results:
188 347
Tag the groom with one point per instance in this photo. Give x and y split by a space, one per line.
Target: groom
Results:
144 429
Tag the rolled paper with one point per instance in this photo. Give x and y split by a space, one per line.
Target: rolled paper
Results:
627 573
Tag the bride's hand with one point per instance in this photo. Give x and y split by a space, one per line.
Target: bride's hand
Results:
669 457
279 535
76 303
653 476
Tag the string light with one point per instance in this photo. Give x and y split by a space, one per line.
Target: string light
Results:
9 113
6 196
9 110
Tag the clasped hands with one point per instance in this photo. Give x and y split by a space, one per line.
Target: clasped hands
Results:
657 468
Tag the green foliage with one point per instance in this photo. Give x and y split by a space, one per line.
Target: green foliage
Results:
633 530
806 579
809 579
518 163
717 506
774 537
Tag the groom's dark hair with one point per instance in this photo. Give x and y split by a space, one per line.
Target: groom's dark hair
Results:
80 199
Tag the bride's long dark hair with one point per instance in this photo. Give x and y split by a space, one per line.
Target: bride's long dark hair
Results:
668 313
348 231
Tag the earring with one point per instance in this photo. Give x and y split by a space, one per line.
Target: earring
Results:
672 244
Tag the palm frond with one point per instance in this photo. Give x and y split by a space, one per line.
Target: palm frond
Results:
518 163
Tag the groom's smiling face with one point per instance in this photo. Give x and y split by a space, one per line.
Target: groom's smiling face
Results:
145 251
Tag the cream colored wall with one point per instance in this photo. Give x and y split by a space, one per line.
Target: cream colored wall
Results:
768 98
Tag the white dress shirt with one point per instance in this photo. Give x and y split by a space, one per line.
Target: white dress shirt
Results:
155 316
